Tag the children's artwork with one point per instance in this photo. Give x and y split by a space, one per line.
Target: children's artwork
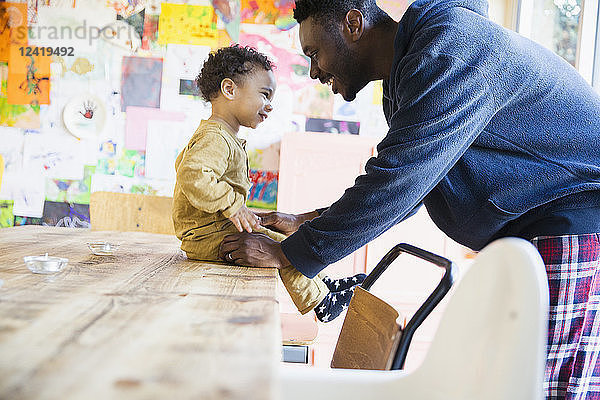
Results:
84 66
7 218
292 67
266 158
277 12
187 24
263 193
26 189
137 124
332 126
22 220
11 148
150 33
181 66
126 8
129 163
65 27
141 82
345 110
28 76
124 184
84 116
71 191
121 34
54 155
314 100
165 141
13 27
70 215
230 13
18 116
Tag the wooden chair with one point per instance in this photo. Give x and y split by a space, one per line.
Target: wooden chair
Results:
130 212
490 343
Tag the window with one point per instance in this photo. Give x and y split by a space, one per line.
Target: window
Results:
567 27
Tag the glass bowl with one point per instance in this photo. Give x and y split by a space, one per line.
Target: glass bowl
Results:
102 248
45 264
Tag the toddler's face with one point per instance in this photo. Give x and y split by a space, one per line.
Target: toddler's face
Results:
254 98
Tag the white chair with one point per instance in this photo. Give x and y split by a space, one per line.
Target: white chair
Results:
490 343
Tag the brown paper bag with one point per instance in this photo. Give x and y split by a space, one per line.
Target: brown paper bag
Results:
369 336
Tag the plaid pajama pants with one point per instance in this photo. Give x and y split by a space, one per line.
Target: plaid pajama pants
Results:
573 269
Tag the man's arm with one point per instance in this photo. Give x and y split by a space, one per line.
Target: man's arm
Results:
444 105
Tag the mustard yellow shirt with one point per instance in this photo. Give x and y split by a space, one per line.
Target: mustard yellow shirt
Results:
212 182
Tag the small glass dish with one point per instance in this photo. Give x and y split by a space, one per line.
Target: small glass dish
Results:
102 248
45 264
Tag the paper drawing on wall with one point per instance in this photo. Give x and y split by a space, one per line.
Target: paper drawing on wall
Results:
187 24
119 33
66 214
16 115
28 76
263 193
141 82
84 116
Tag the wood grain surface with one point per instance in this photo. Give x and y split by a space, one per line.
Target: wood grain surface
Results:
145 323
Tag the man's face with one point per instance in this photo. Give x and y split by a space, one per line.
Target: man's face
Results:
332 61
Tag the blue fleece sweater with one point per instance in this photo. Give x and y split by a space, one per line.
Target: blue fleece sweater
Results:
494 134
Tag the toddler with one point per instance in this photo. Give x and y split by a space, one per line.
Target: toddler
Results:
212 175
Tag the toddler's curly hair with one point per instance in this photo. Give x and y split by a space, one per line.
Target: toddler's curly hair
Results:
233 62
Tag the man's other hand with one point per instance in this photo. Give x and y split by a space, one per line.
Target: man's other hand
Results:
252 250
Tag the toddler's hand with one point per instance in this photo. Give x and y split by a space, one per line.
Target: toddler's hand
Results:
245 219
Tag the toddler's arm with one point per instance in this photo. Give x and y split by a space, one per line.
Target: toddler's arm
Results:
199 176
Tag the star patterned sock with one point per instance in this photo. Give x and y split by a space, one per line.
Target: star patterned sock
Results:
337 285
333 304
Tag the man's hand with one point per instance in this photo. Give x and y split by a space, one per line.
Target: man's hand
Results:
285 223
252 250
245 219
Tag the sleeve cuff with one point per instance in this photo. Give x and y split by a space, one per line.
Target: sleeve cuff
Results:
301 256
235 207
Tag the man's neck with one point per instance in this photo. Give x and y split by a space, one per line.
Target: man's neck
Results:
380 42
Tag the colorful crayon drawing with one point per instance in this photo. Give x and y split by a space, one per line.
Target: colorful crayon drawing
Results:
129 163
18 116
126 8
13 27
263 193
28 76
21 220
71 191
187 24
150 33
332 126
70 215
7 218
141 82
277 12
292 68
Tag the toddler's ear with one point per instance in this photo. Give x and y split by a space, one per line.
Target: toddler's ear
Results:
228 88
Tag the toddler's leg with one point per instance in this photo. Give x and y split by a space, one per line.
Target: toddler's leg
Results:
306 293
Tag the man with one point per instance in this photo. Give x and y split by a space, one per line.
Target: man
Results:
494 134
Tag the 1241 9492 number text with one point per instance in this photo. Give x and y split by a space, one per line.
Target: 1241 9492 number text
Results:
46 51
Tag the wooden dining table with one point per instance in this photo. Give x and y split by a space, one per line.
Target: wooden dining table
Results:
143 323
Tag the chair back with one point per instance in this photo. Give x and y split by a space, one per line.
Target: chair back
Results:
491 340
129 212
490 343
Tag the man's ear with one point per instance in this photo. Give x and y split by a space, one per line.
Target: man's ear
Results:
228 88
354 24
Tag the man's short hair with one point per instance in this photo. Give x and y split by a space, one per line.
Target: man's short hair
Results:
324 11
